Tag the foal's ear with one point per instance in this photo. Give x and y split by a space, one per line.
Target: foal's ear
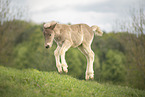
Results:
52 25
46 25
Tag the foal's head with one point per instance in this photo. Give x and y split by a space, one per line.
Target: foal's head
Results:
49 33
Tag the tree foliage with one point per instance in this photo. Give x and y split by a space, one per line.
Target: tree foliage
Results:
134 44
113 68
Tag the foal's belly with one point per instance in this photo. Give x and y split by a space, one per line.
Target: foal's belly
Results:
77 39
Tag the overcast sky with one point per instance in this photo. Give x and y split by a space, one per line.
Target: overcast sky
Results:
92 12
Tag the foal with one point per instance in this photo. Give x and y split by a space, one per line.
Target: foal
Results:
66 36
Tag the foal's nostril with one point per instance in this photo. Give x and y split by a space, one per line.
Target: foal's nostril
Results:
47 46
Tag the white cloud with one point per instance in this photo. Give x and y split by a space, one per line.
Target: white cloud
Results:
92 12
74 17
39 5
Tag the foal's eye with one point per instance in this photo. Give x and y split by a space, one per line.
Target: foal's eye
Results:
48 34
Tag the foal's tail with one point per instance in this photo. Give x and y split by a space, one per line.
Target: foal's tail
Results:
97 30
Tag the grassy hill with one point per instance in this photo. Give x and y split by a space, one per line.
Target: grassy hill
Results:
34 83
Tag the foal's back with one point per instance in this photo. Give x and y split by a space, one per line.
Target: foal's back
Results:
81 34
78 33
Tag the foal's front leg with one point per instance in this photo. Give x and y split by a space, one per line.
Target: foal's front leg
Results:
57 58
66 45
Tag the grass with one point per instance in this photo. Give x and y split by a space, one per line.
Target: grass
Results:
34 83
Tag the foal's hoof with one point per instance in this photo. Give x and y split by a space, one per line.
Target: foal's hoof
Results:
60 72
89 76
92 78
65 70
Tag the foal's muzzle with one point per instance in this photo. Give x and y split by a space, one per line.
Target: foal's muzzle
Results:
47 45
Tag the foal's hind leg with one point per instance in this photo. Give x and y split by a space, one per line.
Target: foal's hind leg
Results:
66 45
86 50
90 71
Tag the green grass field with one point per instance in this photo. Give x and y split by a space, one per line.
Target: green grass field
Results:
34 83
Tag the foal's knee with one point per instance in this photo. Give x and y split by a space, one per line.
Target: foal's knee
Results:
91 55
62 51
56 52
